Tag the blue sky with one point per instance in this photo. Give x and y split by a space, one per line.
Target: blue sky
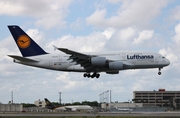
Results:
89 26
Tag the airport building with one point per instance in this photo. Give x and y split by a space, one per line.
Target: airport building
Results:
161 98
11 107
40 103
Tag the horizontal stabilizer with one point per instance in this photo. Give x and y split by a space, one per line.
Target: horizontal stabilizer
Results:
23 59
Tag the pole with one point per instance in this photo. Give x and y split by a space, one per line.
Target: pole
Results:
12 97
60 97
103 97
110 96
99 98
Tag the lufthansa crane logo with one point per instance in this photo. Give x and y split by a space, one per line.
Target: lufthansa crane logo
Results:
23 41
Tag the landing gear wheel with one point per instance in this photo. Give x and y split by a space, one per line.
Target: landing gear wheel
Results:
93 75
97 75
88 75
159 73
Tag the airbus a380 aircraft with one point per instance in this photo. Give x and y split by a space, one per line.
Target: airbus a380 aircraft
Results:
90 63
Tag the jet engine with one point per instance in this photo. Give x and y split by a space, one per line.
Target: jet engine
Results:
98 61
112 72
115 65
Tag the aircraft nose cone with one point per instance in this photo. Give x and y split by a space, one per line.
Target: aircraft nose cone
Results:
168 62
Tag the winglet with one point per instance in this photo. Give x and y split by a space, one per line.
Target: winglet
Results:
55 48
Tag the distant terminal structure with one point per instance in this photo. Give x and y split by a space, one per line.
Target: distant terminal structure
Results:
11 107
40 103
161 98
156 100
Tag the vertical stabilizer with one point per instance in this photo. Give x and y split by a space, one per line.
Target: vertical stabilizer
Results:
26 44
49 105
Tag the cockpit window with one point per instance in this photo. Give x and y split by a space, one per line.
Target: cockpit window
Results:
163 57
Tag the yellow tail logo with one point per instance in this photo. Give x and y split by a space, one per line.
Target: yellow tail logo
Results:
23 41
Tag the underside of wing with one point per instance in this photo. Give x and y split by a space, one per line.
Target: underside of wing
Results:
83 59
85 62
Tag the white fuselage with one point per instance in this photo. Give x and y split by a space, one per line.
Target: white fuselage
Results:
75 107
130 60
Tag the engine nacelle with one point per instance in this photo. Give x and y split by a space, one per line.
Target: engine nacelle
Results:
116 65
98 61
112 72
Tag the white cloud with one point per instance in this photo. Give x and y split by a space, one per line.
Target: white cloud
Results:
33 8
8 8
78 24
37 36
143 36
97 18
109 32
108 39
177 34
17 87
114 1
175 13
170 54
130 13
53 20
48 13
122 39
63 77
90 43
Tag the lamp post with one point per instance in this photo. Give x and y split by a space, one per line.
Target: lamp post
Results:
60 97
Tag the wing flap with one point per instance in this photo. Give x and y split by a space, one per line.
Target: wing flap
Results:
23 59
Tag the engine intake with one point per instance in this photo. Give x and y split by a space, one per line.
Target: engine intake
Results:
116 65
98 61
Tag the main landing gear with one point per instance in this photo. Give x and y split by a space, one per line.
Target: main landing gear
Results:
159 73
97 75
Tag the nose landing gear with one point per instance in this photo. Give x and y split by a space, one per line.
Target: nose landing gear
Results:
97 75
159 73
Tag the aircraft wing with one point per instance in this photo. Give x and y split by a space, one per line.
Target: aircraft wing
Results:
70 52
79 58
23 59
